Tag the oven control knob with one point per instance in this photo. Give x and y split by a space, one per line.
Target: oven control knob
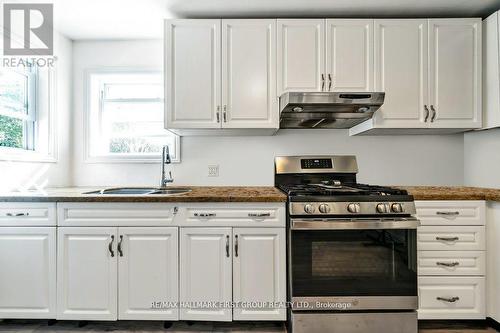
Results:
309 209
324 208
353 208
382 208
397 208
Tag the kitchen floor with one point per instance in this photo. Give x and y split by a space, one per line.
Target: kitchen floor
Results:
37 326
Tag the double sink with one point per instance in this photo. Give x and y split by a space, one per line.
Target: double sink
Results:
140 191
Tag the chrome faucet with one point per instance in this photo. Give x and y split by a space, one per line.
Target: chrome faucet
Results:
165 159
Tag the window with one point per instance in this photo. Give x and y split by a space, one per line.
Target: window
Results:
17 107
125 117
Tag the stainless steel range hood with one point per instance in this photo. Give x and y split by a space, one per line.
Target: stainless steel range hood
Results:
327 109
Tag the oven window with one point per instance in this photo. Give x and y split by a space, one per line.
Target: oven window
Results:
354 263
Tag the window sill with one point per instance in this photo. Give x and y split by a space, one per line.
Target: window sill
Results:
131 159
14 155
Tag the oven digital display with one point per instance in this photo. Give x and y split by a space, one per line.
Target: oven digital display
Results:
316 163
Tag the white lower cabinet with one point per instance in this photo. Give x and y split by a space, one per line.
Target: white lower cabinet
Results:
205 274
148 273
87 273
451 259
28 272
244 267
259 273
92 260
454 297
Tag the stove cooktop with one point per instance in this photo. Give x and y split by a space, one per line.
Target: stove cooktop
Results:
327 189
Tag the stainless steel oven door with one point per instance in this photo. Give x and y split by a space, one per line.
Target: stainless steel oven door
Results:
353 264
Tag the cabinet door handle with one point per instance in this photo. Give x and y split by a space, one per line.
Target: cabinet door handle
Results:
236 246
227 246
329 82
17 214
224 114
427 112
433 113
120 246
175 210
448 299
447 239
448 213
322 82
259 214
218 113
448 264
110 246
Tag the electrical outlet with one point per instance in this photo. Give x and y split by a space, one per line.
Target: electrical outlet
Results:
213 171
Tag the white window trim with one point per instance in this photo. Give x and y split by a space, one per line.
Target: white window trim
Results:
23 155
116 158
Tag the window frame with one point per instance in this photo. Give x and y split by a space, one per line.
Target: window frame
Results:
35 150
88 114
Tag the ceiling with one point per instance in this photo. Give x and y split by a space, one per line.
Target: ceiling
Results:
137 19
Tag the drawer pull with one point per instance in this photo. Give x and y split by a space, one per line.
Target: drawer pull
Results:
447 239
205 214
448 264
17 214
448 213
259 214
448 299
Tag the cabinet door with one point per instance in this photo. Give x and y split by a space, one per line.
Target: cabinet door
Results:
28 272
148 273
349 55
249 74
192 73
205 273
401 72
259 273
455 72
87 273
301 55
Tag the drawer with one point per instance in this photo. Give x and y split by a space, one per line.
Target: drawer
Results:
451 212
451 298
451 262
235 215
26 214
457 238
116 214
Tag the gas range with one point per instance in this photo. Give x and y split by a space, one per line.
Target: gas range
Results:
349 244
326 185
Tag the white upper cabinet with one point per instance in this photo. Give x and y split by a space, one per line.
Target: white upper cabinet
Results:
455 73
205 273
325 55
259 272
491 72
401 71
148 273
192 73
28 272
430 71
301 55
349 55
249 74
87 273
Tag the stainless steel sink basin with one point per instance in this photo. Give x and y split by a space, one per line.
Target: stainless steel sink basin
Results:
140 191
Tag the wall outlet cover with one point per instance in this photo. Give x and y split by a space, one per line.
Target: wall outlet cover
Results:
213 171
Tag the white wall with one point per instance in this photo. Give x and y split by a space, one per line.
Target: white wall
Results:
412 160
15 174
482 158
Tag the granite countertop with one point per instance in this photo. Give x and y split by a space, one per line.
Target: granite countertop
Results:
197 194
452 193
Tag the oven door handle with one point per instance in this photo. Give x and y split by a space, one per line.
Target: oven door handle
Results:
332 224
